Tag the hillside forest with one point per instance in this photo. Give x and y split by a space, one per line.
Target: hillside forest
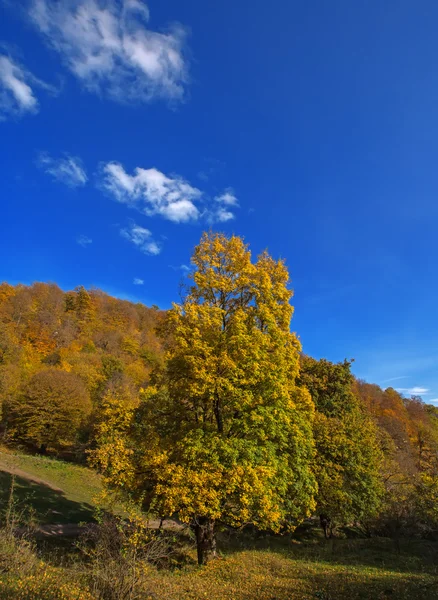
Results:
210 411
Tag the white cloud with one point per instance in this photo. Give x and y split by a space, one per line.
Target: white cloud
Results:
138 281
83 241
142 238
220 215
68 170
16 95
106 44
413 391
152 192
228 198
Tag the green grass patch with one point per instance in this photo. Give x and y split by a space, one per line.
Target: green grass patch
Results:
57 491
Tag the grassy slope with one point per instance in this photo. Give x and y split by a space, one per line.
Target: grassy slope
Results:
60 493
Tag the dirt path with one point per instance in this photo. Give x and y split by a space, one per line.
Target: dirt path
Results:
12 470
54 530
74 530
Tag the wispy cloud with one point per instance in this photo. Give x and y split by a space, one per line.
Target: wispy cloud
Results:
228 198
83 241
220 211
203 176
138 281
16 94
395 378
17 88
108 46
375 365
183 268
413 391
218 215
68 170
142 238
172 197
211 168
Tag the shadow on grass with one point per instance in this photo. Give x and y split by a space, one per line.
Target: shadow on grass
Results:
47 505
348 585
404 556
363 584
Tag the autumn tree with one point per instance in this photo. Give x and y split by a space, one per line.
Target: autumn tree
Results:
228 436
348 454
49 410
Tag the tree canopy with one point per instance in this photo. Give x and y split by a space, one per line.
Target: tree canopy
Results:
230 439
348 453
50 409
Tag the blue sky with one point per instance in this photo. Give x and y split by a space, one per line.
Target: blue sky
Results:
310 128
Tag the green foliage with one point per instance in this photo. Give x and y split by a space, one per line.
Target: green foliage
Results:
348 456
329 384
427 500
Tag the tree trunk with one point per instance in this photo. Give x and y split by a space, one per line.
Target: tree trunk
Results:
205 540
326 526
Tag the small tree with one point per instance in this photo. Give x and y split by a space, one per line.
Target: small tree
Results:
50 409
229 436
348 455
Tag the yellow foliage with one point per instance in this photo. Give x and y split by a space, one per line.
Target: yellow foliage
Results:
47 583
228 434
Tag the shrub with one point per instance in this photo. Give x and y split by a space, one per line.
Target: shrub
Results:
119 554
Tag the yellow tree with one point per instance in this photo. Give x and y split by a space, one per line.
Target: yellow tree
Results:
228 437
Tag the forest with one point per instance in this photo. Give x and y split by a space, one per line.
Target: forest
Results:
210 413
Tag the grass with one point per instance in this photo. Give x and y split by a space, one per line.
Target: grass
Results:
291 570
265 575
299 573
57 491
250 567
